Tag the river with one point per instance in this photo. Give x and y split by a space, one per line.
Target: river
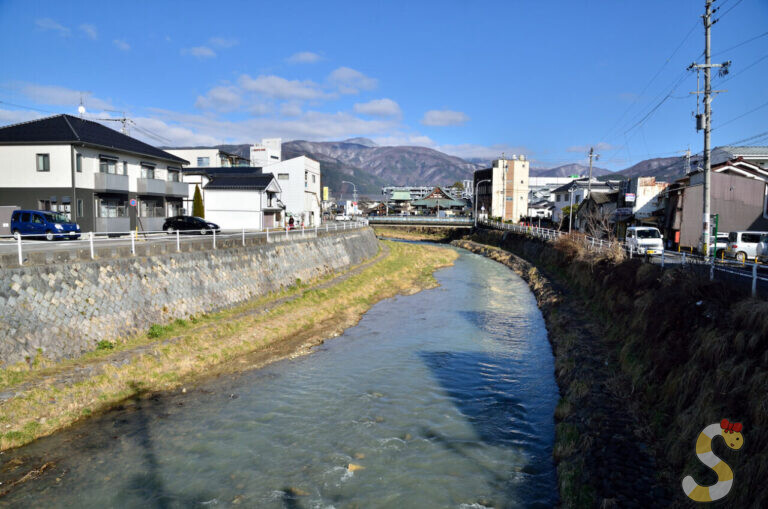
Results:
444 398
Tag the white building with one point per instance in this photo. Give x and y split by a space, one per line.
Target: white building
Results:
243 201
90 172
205 157
576 191
299 179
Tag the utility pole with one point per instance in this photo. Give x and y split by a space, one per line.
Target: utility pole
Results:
707 120
589 182
688 161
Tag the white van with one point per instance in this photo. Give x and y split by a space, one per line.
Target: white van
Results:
645 240
743 245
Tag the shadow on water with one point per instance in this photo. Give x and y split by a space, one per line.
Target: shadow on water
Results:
486 390
498 325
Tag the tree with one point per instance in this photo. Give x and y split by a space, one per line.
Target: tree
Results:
198 209
565 214
459 186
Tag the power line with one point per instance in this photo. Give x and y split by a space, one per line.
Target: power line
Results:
751 138
740 44
733 75
740 116
25 107
653 110
726 12
688 35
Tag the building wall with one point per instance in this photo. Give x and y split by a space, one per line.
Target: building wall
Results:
19 166
191 155
64 309
233 209
647 195
516 190
741 203
301 196
266 153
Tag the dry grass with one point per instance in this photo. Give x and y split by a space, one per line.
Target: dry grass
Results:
201 349
425 234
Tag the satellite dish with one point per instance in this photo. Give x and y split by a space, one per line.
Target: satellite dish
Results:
81 109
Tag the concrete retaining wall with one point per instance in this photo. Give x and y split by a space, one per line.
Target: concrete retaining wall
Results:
65 309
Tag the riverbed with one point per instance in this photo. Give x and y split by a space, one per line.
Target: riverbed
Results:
444 398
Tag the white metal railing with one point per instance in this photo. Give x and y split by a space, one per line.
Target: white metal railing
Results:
717 267
29 243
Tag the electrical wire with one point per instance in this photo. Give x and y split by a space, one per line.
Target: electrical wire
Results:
742 71
726 12
740 44
25 107
751 138
740 116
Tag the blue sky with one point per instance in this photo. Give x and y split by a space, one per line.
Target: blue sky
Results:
475 79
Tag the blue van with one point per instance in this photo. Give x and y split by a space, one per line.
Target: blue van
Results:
43 223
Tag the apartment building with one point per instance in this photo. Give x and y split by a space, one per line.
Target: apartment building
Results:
104 180
502 189
204 157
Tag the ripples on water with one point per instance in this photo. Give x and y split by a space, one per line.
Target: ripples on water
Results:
445 398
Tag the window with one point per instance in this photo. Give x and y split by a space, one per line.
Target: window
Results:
125 167
173 175
43 204
274 157
147 172
43 162
203 161
107 166
80 212
79 163
37 218
314 177
282 176
750 237
25 217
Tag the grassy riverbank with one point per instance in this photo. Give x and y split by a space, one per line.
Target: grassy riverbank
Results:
173 355
674 351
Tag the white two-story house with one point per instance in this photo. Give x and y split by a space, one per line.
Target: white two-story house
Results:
105 180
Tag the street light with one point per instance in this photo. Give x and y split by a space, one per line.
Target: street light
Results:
477 187
354 191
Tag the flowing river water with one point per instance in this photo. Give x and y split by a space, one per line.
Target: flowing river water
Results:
445 398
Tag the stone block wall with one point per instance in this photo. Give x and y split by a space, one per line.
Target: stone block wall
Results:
65 309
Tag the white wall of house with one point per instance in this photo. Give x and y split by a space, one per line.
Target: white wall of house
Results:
19 164
214 156
299 179
266 153
234 209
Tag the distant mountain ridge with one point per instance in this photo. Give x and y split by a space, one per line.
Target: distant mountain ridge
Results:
371 167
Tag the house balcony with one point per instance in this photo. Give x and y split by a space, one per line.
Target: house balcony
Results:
109 182
150 186
151 224
113 224
180 189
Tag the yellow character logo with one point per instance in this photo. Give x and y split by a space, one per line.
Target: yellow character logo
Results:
731 433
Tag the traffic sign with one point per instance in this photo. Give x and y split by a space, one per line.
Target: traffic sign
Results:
133 202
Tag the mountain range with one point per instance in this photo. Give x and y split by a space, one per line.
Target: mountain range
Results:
372 167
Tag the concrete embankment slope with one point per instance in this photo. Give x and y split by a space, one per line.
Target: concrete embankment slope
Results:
63 310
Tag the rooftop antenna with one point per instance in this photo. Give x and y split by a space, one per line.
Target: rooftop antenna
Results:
81 108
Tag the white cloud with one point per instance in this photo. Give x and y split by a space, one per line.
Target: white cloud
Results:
444 118
304 57
221 99
61 96
8 117
350 81
380 108
90 31
122 45
290 109
49 24
199 52
473 151
410 140
222 42
602 146
281 88
261 108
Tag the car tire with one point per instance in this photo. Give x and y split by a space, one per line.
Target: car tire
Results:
16 234
741 257
204 231
49 235
170 230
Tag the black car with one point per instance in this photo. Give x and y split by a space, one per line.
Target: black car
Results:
189 224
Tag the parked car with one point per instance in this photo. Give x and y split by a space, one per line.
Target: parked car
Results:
342 217
761 254
43 223
722 244
742 245
645 240
189 224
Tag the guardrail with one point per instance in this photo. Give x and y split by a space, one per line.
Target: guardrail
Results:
93 240
717 268
421 220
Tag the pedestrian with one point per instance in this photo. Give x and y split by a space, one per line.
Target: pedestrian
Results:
290 223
